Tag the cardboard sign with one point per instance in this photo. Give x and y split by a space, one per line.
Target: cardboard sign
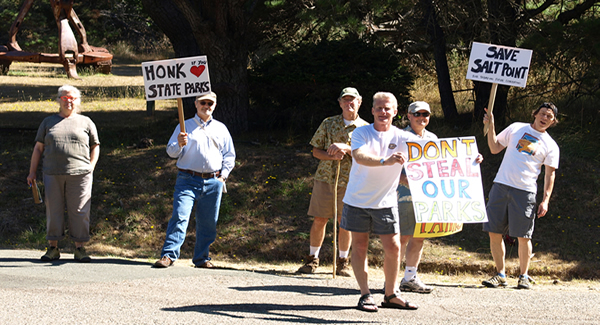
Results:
176 78
445 185
499 64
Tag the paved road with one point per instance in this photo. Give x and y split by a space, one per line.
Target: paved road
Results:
121 291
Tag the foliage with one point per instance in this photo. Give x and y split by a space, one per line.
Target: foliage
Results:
297 89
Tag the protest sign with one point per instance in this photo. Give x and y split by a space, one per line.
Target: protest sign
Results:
499 64
445 185
176 78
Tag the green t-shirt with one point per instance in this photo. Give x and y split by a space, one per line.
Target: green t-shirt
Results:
67 143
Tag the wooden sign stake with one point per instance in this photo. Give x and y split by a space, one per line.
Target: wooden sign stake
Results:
490 106
180 113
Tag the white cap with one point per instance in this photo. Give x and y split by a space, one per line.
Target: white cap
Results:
418 106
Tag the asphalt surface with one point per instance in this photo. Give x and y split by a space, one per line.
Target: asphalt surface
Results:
121 291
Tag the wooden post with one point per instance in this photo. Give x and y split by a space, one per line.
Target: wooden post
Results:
150 104
490 106
181 116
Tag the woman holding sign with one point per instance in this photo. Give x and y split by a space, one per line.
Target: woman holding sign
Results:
418 115
70 146
412 247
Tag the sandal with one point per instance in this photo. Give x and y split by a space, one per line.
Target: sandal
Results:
388 304
367 303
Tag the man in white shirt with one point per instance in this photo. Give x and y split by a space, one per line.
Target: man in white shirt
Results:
206 156
512 199
378 152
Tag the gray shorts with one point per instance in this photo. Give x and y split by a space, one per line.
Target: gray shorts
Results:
510 209
406 214
380 221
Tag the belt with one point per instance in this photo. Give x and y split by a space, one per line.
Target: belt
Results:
203 175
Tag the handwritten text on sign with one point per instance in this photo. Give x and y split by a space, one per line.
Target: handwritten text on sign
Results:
176 78
445 181
499 64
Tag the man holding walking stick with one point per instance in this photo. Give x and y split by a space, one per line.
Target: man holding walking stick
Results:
331 145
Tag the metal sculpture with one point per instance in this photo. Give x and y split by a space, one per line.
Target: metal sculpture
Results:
70 53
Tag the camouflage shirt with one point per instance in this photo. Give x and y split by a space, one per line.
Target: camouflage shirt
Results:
333 130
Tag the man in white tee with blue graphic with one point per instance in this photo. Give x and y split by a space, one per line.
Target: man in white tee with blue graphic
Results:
512 199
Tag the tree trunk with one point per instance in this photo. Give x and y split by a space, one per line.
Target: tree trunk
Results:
437 39
502 16
215 28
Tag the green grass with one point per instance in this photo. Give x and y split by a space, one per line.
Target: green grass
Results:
263 215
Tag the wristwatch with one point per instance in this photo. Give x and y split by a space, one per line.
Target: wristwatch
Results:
382 161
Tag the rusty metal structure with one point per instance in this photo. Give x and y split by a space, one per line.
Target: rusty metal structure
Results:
70 53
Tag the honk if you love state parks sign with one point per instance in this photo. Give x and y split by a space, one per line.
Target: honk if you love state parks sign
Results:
445 185
176 78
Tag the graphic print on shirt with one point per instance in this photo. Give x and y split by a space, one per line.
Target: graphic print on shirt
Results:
528 144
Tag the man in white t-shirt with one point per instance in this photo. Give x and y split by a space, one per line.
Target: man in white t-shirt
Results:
512 199
378 152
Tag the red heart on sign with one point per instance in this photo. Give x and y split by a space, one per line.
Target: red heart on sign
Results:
197 70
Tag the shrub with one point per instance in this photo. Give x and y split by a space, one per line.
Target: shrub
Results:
297 89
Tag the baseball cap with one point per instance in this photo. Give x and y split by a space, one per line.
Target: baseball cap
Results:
211 96
418 106
349 91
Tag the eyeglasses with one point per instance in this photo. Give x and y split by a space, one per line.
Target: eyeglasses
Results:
209 103
424 114
68 98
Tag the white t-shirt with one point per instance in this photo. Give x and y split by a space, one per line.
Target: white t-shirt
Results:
375 187
526 151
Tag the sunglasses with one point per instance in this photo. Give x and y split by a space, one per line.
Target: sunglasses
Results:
68 98
209 103
424 114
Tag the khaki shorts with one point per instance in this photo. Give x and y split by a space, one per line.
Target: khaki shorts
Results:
321 200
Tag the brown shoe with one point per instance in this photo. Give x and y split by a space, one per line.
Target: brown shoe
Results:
164 262
342 268
206 265
311 265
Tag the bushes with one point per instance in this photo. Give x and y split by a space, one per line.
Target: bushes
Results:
297 89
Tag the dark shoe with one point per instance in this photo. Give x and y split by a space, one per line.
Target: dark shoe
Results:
495 282
367 303
52 254
206 265
524 282
81 256
342 268
311 265
164 262
388 304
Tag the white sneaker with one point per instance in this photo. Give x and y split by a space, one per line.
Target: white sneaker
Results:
415 285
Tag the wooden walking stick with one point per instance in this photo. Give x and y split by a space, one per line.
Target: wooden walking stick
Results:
335 218
490 106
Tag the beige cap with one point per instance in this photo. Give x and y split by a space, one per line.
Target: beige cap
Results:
212 96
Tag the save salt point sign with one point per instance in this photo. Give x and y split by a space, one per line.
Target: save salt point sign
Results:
499 64
176 78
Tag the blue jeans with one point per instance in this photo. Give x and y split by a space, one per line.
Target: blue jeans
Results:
206 193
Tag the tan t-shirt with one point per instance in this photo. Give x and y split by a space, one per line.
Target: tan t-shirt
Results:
67 143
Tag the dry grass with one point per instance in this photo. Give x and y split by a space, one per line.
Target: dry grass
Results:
263 222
